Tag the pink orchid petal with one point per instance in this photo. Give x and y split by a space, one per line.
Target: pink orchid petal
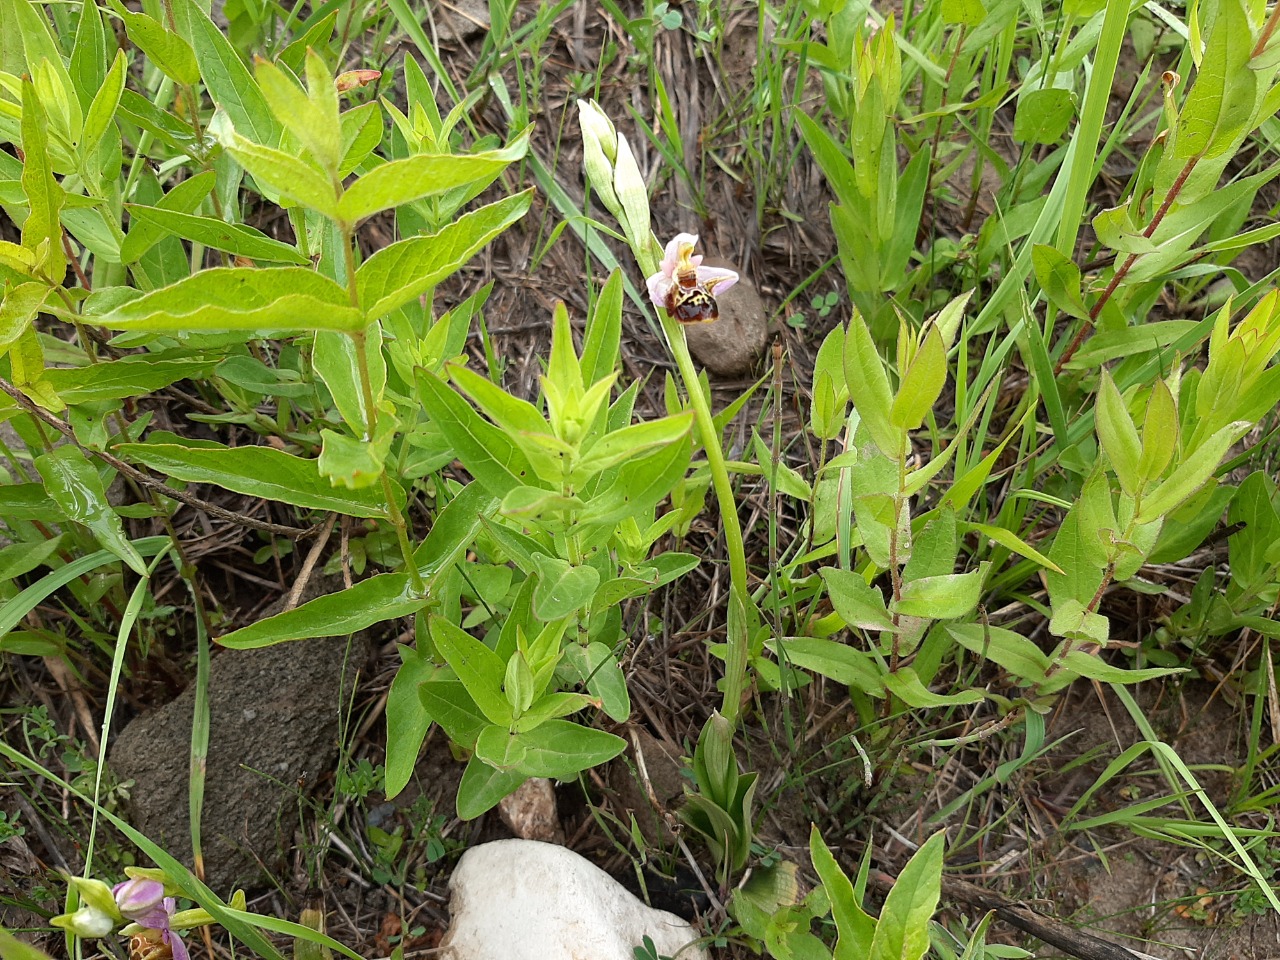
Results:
717 279
659 285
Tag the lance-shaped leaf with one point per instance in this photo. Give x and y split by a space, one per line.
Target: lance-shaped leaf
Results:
403 271
165 49
293 178
312 117
241 298
243 241
384 597
74 485
424 175
41 232
257 472
130 376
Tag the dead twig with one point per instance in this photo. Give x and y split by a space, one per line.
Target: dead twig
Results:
133 473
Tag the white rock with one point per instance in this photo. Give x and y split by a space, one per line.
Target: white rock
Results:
527 900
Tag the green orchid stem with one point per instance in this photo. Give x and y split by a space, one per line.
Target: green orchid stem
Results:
371 421
737 634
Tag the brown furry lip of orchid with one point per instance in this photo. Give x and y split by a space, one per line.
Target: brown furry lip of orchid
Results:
686 289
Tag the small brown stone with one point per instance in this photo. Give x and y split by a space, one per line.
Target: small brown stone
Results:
530 812
729 347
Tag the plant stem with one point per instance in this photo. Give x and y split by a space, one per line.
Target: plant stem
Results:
371 420
1125 267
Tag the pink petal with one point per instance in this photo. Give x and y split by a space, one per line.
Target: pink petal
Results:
671 256
717 279
659 285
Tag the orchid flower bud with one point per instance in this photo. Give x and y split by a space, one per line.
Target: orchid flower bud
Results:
633 195
87 922
139 897
599 147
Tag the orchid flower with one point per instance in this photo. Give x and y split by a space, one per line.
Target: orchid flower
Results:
143 901
680 266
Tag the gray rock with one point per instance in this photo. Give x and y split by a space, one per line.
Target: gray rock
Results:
730 346
274 716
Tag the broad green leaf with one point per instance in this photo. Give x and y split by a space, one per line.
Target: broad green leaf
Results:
1159 432
1078 663
1190 475
1011 651
907 687
41 231
856 602
74 485
407 719
336 360
968 12
868 386
599 670
1007 538
241 298
902 932
292 177
1060 280
1220 106
602 336
102 109
483 786
942 597
403 271
634 442
361 134
855 926
448 704
312 117
486 451
228 81
19 307
186 197
1118 434
128 376
518 684
386 596
356 464
479 668
838 661
423 175
562 588
561 749
500 748
921 384
243 241
257 472
11 948
27 501
165 49
1043 115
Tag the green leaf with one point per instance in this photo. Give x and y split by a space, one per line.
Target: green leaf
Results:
483 786
337 362
236 238
403 271
19 307
562 588
41 231
228 81
1190 475
186 197
633 442
423 175
386 596
479 668
102 109
1118 434
356 464
1060 280
312 117
868 386
857 603
1011 651
448 704
486 451
598 668
408 719
1159 432
838 661
942 597
921 384
1043 115
1220 106
257 472
292 177
902 932
907 687
241 298
128 376
855 926
74 485
603 334
561 749
165 49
